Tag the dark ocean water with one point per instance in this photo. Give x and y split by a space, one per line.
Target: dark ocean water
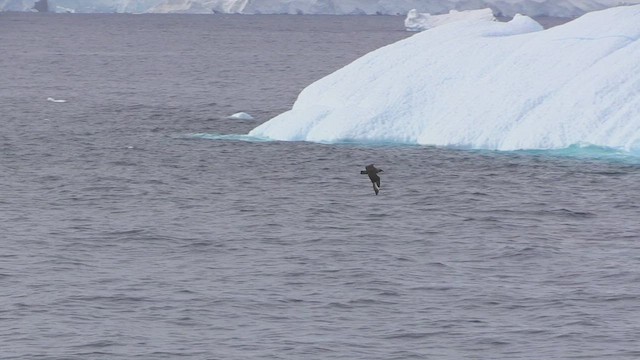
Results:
125 236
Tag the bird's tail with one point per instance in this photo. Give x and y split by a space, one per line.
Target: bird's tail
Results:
376 188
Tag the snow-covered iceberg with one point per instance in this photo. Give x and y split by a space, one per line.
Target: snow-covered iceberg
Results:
484 85
416 21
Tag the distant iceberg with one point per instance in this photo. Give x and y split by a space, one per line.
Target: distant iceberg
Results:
181 7
484 85
416 21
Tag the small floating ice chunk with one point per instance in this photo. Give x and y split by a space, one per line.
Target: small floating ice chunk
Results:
241 116
56 100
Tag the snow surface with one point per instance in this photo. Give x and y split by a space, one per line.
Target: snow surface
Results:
557 8
416 21
484 85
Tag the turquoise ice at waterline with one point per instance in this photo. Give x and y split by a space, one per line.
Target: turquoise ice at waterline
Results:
484 85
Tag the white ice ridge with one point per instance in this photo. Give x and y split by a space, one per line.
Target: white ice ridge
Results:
559 8
484 85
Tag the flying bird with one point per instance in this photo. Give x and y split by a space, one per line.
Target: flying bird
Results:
372 172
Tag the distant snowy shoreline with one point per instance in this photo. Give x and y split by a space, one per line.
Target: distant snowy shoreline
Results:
500 8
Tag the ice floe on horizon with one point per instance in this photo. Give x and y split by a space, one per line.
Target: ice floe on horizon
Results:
484 85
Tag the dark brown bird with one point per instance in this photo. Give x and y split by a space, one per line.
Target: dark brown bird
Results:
372 171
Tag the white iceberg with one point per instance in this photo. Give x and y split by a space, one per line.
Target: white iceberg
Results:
484 85
416 21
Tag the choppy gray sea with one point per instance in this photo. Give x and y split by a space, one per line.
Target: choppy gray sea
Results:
136 224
